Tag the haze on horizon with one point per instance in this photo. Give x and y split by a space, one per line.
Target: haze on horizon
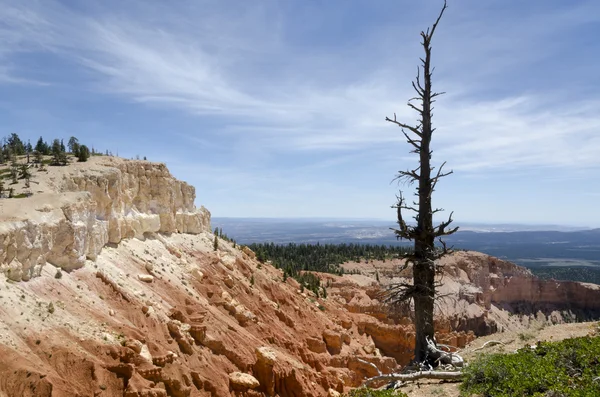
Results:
277 109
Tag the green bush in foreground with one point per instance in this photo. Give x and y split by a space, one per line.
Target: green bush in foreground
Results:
366 392
567 368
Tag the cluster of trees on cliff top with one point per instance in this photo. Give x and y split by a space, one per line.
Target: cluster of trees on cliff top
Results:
299 260
326 258
12 146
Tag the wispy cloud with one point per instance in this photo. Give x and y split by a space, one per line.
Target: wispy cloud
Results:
208 63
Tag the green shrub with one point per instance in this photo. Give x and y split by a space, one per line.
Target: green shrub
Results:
567 368
366 392
83 153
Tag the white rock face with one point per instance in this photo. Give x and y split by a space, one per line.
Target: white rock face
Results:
90 205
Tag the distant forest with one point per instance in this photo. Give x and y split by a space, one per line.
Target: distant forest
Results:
584 274
296 259
326 258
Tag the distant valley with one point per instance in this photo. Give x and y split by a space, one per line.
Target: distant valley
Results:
550 251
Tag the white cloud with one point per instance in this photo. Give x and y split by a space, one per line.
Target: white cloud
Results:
208 63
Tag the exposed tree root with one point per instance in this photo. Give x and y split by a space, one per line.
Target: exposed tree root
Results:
448 359
445 375
443 357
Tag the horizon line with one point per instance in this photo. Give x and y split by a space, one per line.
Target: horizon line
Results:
366 219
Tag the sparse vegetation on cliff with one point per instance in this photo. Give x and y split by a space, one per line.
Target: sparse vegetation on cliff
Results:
18 160
12 146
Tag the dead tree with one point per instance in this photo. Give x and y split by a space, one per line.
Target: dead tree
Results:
425 254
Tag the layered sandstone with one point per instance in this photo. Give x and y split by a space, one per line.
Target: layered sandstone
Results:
81 208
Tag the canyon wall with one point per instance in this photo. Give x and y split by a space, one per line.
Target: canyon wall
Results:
82 208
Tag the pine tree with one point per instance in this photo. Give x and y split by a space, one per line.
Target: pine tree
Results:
42 147
73 145
216 243
83 153
24 172
16 145
59 155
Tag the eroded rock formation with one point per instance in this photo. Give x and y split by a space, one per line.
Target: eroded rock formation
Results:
146 307
85 207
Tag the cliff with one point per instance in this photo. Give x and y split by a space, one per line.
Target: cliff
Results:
480 294
113 287
79 209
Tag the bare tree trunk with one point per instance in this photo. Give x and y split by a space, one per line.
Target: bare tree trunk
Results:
424 267
422 290
423 281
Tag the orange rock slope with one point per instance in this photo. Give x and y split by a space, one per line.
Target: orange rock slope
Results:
168 316
156 312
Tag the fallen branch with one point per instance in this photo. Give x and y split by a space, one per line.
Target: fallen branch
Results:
489 343
371 364
447 375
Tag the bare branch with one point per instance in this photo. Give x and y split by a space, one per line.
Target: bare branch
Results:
417 83
408 127
419 110
415 143
442 226
410 176
399 293
444 251
439 175
429 35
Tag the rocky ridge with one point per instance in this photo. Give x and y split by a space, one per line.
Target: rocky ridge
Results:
84 207
483 294
145 311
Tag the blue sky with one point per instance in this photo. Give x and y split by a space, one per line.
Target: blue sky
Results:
277 108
